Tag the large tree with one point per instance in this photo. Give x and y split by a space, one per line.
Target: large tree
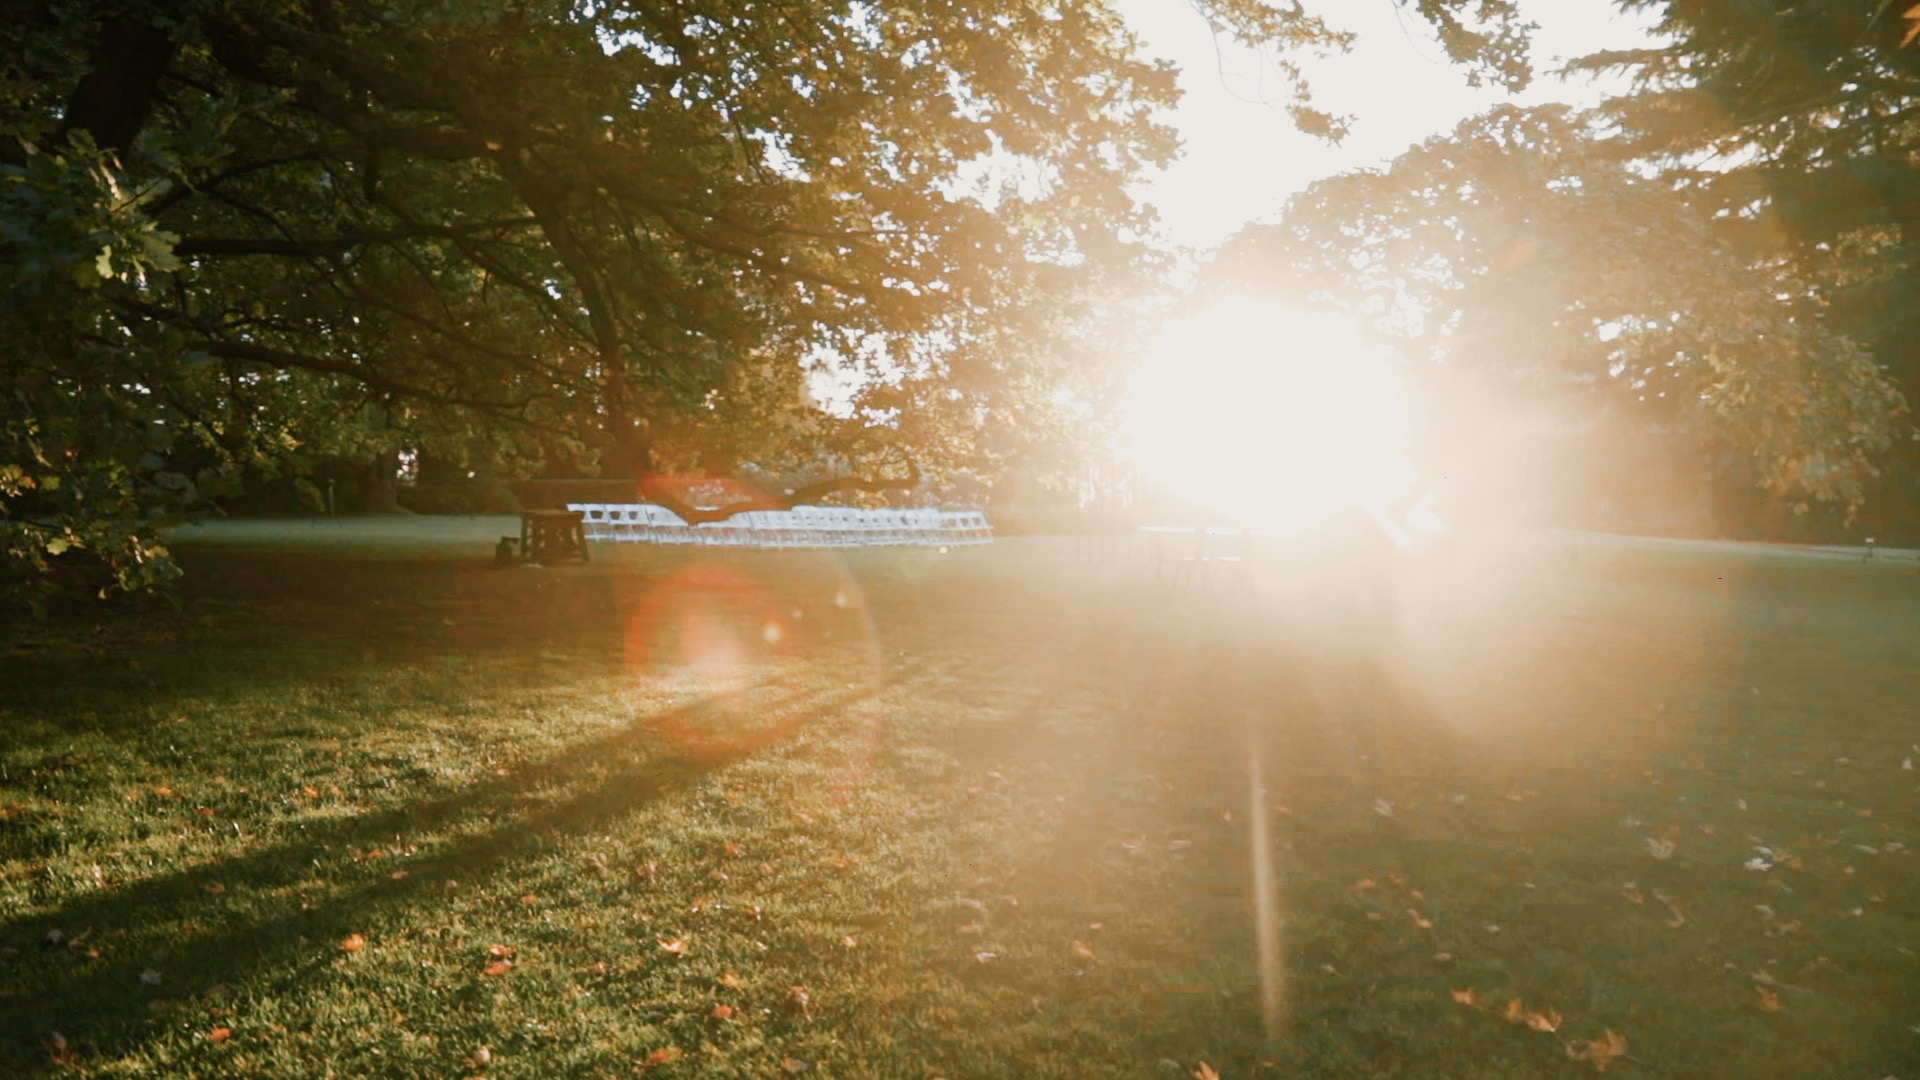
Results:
1792 129
241 231
1526 259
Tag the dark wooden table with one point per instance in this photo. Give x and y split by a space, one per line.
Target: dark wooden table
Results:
553 535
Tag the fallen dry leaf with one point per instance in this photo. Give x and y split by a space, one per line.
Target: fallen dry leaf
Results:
497 969
309 791
723 1012
220 1034
1465 997
666 1055
500 952
1420 920
214 888
1598 1051
1769 1000
1633 894
1658 847
849 941
1363 885
529 899
1204 1071
968 928
729 980
1547 1021
1515 1014
352 943
799 997
795 1065
1082 950
674 945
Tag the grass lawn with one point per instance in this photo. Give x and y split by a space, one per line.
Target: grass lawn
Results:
381 809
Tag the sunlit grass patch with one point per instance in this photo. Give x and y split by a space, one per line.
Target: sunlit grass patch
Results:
982 815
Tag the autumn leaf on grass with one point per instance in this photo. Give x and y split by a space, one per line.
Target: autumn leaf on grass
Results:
729 980
1598 1051
795 1065
1465 997
500 952
674 945
1082 950
214 888
1658 847
1769 1001
799 997
497 969
1633 894
1548 1021
849 942
722 1012
1205 1071
352 943
1420 920
666 1055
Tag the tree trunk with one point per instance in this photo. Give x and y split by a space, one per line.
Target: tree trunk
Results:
379 484
631 454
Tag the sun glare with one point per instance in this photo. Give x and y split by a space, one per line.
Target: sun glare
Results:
1270 416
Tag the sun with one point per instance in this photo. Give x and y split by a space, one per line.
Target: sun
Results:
1268 415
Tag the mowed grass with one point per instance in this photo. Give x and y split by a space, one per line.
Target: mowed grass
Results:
989 813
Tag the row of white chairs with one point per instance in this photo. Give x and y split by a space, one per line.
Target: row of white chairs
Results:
800 527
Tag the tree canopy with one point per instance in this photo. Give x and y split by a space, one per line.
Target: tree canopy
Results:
1524 257
1727 247
242 234
1791 129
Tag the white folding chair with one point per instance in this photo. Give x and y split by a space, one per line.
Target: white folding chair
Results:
666 526
594 520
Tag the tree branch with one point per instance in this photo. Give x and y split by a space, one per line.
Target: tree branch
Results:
327 247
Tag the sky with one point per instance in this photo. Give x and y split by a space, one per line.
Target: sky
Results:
1242 157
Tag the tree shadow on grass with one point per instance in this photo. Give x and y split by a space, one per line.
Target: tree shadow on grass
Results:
260 620
99 1001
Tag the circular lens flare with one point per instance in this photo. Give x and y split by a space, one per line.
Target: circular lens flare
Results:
1269 416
